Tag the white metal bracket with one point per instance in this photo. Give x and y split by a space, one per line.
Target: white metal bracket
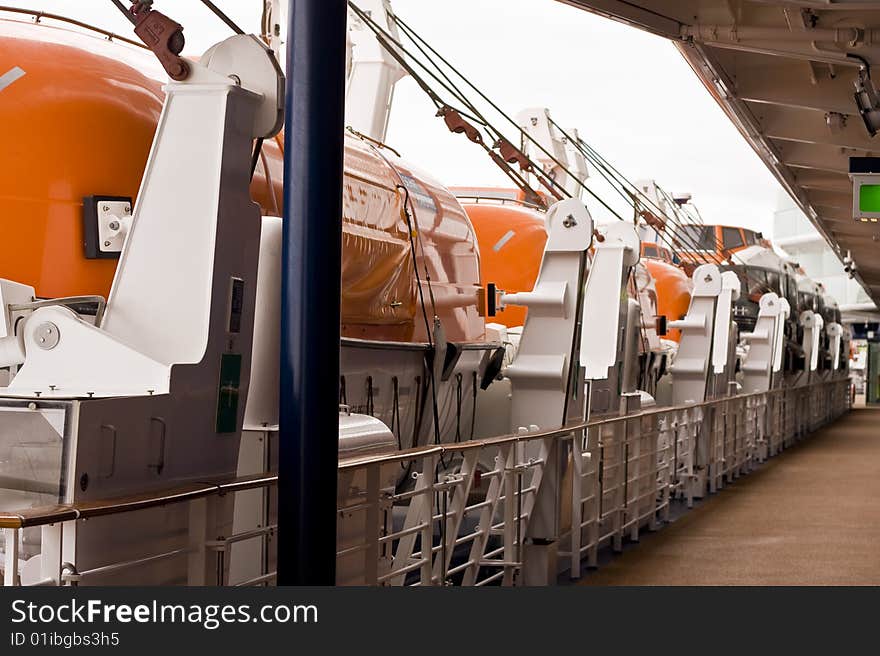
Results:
765 344
835 335
604 295
730 291
539 371
690 370
813 325
114 221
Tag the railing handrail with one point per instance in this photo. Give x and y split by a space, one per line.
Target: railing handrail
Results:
39 15
414 453
45 515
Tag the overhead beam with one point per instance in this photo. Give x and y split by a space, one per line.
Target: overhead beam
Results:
855 230
816 157
823 5
825 180
831 213
631 13
793 51
836 199
781 85
789 124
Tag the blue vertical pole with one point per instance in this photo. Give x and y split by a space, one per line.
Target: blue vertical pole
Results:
311 266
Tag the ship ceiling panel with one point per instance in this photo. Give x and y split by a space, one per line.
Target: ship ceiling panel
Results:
800 157
780 69
824 180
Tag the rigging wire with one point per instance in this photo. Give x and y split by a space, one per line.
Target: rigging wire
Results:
676 219
633 195
428 332
682 236
412 245
627 196
395 48
628 191
416 38
124 10
222 16
386 40
597 160
539 172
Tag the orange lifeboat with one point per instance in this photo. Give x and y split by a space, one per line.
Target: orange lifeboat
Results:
80 122
673 285
511 237
701 243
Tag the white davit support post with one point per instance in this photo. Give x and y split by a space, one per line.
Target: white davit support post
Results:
272 26
731 287
765 344
539 372
649 190
835 335
690 371
601 337
813 325
576 164
181 217
779 347
544 144
369 89
652 199
167 368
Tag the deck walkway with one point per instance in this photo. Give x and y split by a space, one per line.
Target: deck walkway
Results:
810 516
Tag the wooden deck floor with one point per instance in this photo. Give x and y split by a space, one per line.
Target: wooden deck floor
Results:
810 516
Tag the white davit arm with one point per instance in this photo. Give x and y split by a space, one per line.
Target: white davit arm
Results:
765 344
540 370
690 371
577 165
731 288
273 26
606 287
547 146
835 334
373 72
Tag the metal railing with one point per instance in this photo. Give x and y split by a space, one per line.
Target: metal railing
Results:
465 516
472 502
58 525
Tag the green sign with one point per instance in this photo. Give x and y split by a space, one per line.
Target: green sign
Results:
227 393
869 198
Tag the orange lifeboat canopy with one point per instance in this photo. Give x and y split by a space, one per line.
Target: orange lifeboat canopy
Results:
672 284
511 239
78 122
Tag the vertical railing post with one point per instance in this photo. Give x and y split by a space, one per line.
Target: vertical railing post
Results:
310 292
197 558
50 553
577 503
371 528
429 472
10 566
509 534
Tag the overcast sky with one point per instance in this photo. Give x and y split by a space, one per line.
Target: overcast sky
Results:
630 94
